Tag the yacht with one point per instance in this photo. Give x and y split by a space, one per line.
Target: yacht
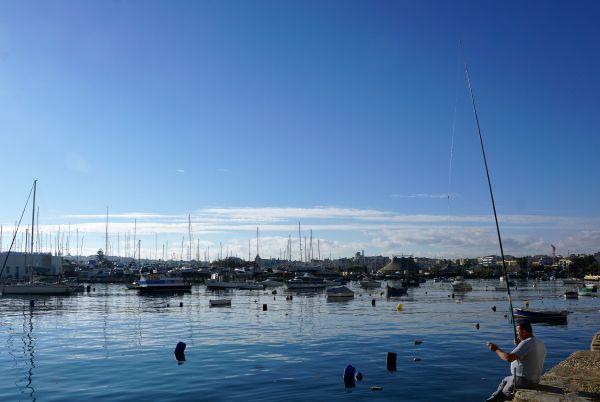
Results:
306 281
459 285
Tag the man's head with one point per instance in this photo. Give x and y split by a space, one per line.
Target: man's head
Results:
524 329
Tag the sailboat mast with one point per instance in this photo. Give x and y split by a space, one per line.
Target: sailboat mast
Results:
106 235
33 213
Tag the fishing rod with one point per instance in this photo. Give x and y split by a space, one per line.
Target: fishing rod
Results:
512 315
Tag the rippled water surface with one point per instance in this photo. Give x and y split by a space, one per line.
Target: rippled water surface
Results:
115 345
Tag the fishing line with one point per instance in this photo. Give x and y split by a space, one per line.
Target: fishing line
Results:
492 197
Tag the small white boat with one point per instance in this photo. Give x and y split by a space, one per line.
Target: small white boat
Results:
459 285
220 303
340 292
585 291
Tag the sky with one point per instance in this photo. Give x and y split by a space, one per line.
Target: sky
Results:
350 119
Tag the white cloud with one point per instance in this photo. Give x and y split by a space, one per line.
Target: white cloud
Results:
341 231
180 171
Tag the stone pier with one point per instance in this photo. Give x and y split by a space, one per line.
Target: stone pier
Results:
575 379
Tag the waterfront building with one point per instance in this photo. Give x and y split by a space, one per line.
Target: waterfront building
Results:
18 265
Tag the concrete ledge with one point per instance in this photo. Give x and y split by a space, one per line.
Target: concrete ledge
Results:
577 378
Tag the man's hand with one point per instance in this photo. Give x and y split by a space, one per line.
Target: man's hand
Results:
492 346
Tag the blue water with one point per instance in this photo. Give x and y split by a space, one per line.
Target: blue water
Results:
115 345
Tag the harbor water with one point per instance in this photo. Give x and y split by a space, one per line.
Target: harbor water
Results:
114 345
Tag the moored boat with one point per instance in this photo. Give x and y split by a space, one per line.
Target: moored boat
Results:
395 289
306 281
571 294
459 285
370 284
540 316
219 303
152 283
340 292
585 291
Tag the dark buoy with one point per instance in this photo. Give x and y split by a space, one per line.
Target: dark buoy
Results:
273 297
180 352
88 288
418 341
373 302
31 303
168 305
94 289
453 295
264 307
494 308
359 376
505 315
417 359
180 304
291 297
477 326
391 361
349 377
425 292
274 292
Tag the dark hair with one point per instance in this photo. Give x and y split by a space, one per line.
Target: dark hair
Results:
525 325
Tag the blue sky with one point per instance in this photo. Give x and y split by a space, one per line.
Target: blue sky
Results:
340 115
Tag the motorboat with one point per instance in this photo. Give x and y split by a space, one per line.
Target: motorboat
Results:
153 282
540 316
585 291
395 289
571 294
572 281
217 282
340 292
459 285
370 284
219 303
306 281
271 283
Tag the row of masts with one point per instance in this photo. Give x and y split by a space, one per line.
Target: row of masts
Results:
59 244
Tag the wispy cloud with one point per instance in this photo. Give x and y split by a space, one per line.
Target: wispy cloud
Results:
440 195
180 171
343 231
223 170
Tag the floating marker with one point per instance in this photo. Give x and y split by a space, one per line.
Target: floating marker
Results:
359 376
349 379
417 359
494 308
373 302
399 307
88 288
273 297
418 341
376 388
168 305
31 303
274 292
264 307
391 361
453 295
180 304
477 326
180 352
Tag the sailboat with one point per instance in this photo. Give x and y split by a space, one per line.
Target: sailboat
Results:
34 287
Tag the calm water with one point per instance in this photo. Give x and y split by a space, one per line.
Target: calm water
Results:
114 345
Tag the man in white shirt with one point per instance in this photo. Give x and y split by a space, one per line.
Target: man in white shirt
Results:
526 362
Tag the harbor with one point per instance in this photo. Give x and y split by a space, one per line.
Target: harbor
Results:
96 345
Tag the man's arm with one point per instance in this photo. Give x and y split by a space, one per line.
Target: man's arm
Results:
509 357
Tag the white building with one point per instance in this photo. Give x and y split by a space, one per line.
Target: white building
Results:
19 265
